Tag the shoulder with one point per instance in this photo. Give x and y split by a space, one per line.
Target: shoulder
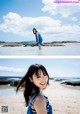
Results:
40 99
40 103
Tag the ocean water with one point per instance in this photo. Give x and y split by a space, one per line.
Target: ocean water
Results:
9 90
67 50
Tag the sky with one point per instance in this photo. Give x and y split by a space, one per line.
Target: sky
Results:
56 67
55 22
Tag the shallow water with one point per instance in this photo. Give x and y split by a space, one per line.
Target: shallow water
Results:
73 50
7 90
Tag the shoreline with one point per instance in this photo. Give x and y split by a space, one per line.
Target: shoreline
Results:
53 85
54 43
69 49
12 81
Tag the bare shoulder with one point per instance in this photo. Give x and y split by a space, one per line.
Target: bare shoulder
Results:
40 99
40 105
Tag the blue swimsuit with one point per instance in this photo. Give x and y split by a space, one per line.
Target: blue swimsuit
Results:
31 109
39 39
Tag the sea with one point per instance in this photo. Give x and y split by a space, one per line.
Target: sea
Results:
9 90
68 50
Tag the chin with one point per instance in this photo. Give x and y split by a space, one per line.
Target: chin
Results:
44 87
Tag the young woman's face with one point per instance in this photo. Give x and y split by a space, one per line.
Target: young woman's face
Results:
34 31
41 80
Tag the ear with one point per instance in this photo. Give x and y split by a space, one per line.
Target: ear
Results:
30 79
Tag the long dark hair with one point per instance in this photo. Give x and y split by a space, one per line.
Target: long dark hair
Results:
29 87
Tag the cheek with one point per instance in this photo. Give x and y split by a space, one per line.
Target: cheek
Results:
46 79
34 32
35 81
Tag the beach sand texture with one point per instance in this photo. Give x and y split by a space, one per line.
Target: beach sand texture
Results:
65 100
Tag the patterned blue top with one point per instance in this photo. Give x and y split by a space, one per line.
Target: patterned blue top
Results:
31 109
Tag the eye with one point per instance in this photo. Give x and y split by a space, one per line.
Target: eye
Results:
44 74
39 76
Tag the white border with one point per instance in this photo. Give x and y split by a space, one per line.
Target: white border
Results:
41 57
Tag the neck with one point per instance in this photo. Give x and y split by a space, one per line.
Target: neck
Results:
41 90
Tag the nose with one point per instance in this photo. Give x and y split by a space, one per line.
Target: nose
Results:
43 78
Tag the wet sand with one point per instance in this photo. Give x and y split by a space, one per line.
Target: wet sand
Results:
65 100
69 49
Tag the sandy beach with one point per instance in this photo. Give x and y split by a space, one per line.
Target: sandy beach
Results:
65 100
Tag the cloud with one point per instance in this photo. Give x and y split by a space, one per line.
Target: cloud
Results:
11 69
14 23
74 19
65 10
23 25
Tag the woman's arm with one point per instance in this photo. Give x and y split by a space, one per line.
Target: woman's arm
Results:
40 105
38 38
38 41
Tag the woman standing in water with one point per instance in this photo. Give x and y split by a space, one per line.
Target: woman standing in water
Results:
38 37
35 81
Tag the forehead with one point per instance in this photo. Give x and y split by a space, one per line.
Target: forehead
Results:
40 71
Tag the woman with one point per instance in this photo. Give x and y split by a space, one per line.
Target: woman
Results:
38 37
35 81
